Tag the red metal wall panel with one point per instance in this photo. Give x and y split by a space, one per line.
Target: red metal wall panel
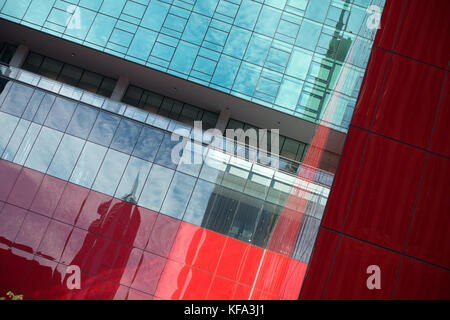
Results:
393 210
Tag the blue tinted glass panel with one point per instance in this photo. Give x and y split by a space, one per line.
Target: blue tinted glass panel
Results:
104 129
17 99
43 150
164 156
44 108
202 198
133 179
126 136
155 188
33 105
82 121
66 157
16 139
178 195
27 143
88 164
110 172
199 40
148 143
8 124
155 15
60 114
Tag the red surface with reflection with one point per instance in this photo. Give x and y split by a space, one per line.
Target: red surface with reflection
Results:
124 251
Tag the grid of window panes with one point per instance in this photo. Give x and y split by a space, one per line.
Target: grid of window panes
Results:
263 155
129 160
170 108
288 148
70 74
284 54
153 108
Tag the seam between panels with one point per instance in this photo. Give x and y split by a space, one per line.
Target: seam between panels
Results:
51 214
253 286
321 221
331 188
133 206
419 188
400 141
411 58
90 188
346 214
356 180
364 152
386 248
120 242
96 234
405 5
436 117
214 273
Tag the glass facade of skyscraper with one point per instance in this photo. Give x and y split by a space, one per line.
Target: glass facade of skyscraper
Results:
94 175
282 54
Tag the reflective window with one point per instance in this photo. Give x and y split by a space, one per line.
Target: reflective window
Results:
133 179
110 172
164 156
33 62
215 166
200 203
178 195
280 188
231 46
288 148
66 157
104 129
155 188
148 143
88 164
43 150
266 222
17 99
192 159
232 196
82 121
306 238
44 108
33 104
16 139
50 68
126 136
236 174
27 143
220 218
246 218
259 181
60 114
90 81
8 124
70 75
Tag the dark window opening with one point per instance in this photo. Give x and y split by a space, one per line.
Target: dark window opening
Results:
170 108
69 74
7 52
291 152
